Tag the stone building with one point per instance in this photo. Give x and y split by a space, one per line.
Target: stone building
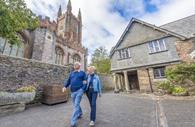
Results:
144 51
57 42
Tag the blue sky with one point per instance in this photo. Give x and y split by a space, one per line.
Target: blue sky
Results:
105 20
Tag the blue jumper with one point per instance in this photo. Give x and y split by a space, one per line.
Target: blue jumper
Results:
75 81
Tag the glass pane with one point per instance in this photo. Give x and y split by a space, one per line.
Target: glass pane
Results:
156 73
123 54
14 50
162 45
157 49
7 49
127 53
2 43
151 47
20 52
162 72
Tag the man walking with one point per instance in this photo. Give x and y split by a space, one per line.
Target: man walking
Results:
77 81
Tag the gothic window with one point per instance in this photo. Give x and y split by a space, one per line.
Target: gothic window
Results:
2 45
76 58
7 49
20 51
14 49
11 50
157 46
59 56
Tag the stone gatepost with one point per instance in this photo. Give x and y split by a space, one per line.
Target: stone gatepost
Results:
119 82
115 83
126 81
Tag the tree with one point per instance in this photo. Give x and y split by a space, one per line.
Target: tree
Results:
100 60
15 17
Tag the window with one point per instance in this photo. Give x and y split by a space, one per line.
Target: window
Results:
76 58
7 49
157 46
159 72
20 52
124 53
11 50
14 49
2 45
59 56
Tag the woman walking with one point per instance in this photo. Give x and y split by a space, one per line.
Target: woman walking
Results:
93 90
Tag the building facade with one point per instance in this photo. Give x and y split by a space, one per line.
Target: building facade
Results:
57 42
144 51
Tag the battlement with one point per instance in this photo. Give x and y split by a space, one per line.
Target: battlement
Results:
46 23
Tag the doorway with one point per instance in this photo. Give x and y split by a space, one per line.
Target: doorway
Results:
133 80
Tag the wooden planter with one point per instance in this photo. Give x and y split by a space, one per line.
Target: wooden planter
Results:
53 94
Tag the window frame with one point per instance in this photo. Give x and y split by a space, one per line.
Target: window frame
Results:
59 56
153 45
124 53
160 74
76 58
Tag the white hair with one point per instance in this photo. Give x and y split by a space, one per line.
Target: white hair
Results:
77 63
93 67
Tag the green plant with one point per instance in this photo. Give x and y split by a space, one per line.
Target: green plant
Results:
178 90
14 18
179 73
26 89
165 85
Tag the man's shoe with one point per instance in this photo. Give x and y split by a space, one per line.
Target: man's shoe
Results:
92 123
73 126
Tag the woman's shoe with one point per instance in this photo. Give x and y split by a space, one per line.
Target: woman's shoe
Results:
92 123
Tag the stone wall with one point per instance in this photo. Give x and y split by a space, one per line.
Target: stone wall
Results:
107 82
144 82
186 50
17 72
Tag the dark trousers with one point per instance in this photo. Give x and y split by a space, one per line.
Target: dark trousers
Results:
92 97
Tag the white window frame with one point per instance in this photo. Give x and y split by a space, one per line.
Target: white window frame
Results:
124 53
158 44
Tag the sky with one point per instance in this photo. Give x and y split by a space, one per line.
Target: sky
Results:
105 20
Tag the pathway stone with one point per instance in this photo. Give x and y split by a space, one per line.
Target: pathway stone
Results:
113 110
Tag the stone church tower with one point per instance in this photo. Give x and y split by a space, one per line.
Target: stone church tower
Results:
56 42
69 26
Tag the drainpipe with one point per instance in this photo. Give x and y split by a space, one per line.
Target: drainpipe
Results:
150 82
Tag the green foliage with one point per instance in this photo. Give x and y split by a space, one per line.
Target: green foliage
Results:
181 72
170 88
26 89
15 17
179 90
100 60
166 85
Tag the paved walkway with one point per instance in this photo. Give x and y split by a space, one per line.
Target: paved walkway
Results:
113 110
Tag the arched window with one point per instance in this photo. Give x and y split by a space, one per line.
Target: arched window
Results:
59 56
11 50
76 58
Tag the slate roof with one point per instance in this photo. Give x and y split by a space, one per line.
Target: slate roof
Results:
184 26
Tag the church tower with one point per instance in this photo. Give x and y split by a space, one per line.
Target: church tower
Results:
69 26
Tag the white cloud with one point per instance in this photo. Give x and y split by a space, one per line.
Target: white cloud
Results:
99 21
170 11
